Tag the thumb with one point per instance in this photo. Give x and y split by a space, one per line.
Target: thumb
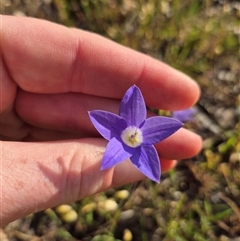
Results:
36 176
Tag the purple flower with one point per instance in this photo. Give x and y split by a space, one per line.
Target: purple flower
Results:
131 135
184 115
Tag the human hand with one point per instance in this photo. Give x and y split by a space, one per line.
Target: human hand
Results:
50 77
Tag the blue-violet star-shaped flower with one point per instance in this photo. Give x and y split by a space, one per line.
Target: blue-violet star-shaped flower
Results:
131 135
184 115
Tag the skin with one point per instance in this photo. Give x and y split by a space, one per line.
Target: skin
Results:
51 76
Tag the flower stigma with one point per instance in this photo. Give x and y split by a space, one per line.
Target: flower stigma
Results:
132 136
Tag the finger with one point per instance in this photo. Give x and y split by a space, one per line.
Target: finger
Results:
167 165
8 88
181 145
174 147
10 123
66 113
49 174
42 134
68 60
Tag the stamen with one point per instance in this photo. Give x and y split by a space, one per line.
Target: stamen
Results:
132 136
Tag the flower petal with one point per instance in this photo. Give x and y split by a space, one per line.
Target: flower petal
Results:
108 124
158 128
132 107
115 152
184 115
147 161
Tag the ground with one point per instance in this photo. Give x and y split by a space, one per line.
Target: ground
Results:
198 200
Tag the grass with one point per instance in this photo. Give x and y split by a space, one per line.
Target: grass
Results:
200 199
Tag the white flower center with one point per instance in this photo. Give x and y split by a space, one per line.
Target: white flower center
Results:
132 136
